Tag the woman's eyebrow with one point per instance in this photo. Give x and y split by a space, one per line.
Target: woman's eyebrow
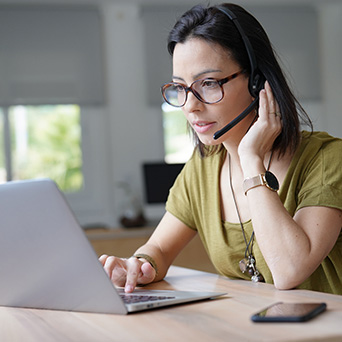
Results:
196 76
177 78
208 71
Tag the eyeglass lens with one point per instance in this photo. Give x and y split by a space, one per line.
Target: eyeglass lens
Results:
207 91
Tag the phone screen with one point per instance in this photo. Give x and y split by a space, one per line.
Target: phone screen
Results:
289 312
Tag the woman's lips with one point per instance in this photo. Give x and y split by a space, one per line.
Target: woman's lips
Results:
202 126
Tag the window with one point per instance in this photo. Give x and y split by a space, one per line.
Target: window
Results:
52 98
42 142
177 140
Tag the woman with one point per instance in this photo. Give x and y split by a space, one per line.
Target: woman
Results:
227 192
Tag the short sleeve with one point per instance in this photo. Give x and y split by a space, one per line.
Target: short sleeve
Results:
322 185
179 199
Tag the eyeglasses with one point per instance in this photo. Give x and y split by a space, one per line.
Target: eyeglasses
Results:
207 90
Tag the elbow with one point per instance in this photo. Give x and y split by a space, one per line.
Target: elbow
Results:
284 285
287 281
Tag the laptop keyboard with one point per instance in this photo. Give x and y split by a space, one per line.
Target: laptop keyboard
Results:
132 299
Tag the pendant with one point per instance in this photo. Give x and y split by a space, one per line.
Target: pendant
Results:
248 264
257 277
244 265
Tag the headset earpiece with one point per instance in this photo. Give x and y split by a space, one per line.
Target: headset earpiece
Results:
256 83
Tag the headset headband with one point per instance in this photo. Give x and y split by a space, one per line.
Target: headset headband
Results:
256 78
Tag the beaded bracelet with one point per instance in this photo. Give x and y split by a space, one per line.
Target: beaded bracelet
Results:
149 259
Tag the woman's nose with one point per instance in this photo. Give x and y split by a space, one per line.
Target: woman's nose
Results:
192 103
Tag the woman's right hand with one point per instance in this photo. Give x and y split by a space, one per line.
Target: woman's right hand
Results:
127 273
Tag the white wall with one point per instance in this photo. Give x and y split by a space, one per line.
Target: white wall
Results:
135 129
331 59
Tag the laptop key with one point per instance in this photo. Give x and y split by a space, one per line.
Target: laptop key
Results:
131 299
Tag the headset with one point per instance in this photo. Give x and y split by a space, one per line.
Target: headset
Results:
256 78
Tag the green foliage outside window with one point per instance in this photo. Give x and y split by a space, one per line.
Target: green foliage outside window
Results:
46 142
177 142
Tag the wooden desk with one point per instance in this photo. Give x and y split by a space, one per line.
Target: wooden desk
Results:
225 319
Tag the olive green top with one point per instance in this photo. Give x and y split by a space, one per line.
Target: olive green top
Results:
314 178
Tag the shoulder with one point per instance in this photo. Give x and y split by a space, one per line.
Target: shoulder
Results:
199 165
320 140
318 145
199 174
321 155
314 177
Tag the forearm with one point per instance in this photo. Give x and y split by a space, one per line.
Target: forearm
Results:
283 243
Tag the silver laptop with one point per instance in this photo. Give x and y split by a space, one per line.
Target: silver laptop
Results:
47 262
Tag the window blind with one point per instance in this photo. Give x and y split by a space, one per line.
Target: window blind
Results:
50 55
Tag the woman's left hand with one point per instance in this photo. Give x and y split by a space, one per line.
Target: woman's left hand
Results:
261 136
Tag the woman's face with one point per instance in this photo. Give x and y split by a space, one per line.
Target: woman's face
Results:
196 59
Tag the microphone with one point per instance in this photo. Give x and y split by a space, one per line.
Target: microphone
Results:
234 122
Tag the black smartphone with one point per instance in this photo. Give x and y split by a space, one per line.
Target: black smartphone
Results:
289 312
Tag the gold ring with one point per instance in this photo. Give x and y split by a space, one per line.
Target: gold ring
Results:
278 114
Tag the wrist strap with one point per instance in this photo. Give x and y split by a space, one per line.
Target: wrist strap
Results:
253 182
149 259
